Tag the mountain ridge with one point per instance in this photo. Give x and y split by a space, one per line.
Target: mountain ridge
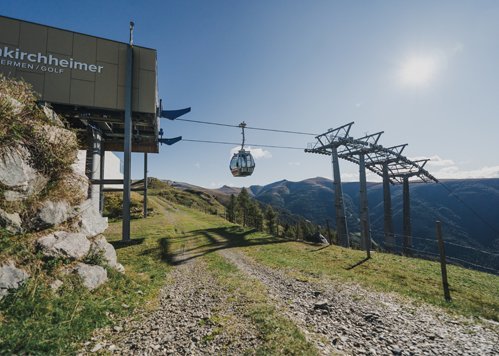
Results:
467 208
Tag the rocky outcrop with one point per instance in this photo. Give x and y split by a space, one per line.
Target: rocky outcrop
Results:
17 174
92 276
108 253
11 277
90 222
11 222
64 244
55 213
41 187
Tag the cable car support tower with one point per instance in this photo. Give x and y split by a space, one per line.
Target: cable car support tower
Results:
388 163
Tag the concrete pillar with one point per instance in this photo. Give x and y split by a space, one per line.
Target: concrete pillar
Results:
96 166
407 218
101 177
387 203
341 221
364 208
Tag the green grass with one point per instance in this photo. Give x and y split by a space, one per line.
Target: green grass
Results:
35 320
279 335
473 293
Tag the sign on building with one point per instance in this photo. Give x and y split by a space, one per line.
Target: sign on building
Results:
72 70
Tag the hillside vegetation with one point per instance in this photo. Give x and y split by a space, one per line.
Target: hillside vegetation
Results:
467 209
34 320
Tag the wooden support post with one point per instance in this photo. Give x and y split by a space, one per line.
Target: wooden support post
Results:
367 235
443 265
329 237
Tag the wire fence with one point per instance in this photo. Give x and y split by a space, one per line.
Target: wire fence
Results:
426 247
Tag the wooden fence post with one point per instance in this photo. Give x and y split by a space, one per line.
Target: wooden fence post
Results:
443 265
367 237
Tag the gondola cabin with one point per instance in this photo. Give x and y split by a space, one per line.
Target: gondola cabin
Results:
242 164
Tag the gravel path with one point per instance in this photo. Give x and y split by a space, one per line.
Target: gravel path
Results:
197 316
194 317
348 319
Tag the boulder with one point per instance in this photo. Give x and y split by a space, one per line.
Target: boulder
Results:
108 252
52 116
64 244
92 276
11 277
53 213
91 223
100 245
17 174
11 222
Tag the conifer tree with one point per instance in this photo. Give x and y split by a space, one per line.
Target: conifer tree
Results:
231 209
243 200
271 218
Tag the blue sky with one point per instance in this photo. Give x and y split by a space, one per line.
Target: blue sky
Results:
424 72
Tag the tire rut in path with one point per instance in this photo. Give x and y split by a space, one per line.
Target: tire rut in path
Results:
349 319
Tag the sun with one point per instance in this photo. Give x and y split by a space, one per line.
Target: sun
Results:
418 71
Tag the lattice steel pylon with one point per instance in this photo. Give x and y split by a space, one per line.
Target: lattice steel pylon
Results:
328 143
388 163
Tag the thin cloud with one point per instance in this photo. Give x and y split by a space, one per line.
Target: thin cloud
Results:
296 164
448 169
257 153
453 172
436 161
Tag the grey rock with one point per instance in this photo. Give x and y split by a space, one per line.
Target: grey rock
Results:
17 174
323 305
119 267
54 213
92 276
64 244
11 222
107 250
55 285
96 348
91 223
396 350
52 116
11 277
12 195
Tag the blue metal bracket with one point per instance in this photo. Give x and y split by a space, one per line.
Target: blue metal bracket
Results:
170 141
173 114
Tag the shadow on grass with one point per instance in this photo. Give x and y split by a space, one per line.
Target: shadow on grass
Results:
357 264
210 240
122 244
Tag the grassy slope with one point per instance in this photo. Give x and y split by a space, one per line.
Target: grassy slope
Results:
34 320
473 293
